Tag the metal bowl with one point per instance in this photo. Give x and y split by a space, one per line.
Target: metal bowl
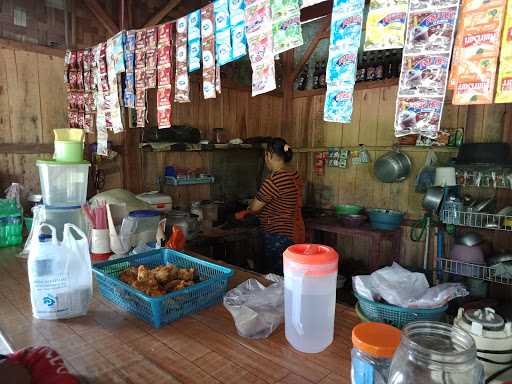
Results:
392 167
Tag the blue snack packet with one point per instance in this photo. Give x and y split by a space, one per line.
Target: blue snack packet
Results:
346 30
236 11
347 5
194 55
221 14
239 41
338 104
341 67
194 25
223 46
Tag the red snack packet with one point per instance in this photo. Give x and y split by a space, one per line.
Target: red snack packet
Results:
80 58
72 79
141 118
140 59
72 59
150 78
164 55
89 122
151 37
164 117
151 59
164 34
140 79
140 39
44 364
80 101
164 96
164 75
81 119
140 99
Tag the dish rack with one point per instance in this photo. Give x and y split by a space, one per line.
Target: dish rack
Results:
477 220
163 309
495 274
394 315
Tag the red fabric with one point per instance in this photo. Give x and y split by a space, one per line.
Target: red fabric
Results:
177 239
242 215
44 364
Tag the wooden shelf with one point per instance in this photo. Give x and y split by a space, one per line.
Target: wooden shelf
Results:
404 148
358 86
166 147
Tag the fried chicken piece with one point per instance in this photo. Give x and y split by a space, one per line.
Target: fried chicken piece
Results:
154 292
165 273
129 275
143 273
176 285
186 274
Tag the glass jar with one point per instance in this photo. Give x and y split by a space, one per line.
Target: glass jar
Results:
435 353
374 346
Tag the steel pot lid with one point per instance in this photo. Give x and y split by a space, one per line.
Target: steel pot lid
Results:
487 318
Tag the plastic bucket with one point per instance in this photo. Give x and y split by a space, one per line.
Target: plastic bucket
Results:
69 151
310 277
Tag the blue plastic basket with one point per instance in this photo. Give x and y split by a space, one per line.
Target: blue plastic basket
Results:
397 316
170 307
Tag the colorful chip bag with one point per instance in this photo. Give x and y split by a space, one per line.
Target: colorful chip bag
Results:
338 103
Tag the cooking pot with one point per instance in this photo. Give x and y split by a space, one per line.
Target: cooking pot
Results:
392 167
187 222
433 199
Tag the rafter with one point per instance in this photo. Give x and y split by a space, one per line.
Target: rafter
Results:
102 16
157 17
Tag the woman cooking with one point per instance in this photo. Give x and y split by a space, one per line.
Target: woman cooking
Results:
278 204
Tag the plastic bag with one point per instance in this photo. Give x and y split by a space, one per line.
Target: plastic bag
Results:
256 309
60 274
398 286
427 175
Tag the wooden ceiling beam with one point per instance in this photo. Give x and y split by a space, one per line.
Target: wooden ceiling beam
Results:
157 17
102 16
316 11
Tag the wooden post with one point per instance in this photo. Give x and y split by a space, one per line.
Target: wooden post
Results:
288 80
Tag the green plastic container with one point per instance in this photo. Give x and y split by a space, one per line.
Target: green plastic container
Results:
11 223
69 151
348 209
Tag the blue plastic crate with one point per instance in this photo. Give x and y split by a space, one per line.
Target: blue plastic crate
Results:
397 316
170 307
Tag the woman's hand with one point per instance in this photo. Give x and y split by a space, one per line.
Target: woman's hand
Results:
255 205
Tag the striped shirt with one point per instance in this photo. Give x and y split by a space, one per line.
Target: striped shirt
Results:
279 192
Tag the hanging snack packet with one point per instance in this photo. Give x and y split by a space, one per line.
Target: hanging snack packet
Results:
194 55
260 48
431 31
221 12
181 94
385 28
504 87
338 103
341 68
236 12
418 115
346 30
223 46
424 75
417 5
194 25
239 41
347 6
263 78
258 17
287 33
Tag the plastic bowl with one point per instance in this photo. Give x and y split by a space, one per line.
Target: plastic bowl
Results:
385 219
348 209
69 151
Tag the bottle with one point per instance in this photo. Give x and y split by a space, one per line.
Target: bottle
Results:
303 79
379 67
370 69
316 76
388 66
361 69
323 68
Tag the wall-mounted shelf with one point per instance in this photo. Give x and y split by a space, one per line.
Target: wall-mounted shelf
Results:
404 148
169 180
173 147
358 86
477 220
495 274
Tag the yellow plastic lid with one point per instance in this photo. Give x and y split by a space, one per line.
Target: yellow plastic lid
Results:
376 339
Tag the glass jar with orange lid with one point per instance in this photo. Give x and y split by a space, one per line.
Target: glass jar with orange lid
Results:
374 346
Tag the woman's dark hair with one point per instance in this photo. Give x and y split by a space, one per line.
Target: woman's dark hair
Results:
278 146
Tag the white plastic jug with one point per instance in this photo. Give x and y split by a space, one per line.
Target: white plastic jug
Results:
310 273
60 274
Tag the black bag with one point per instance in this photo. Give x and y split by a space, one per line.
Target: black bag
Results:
176 134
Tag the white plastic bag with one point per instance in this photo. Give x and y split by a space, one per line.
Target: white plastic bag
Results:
60 274
256 309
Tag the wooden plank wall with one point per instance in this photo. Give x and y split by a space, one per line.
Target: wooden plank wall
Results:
32 104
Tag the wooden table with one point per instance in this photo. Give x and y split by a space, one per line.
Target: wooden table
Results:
376 259
111 346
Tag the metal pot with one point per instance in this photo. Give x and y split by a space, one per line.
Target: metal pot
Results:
392 167
469 239
433 199
188 223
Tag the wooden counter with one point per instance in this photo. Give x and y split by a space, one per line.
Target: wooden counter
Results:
111 346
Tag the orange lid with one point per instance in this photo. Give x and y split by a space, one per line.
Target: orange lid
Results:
376 339
311 254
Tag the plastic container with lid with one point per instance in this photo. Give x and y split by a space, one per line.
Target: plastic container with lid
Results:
310 274
144 226
158 201
374 346
435 353
63 184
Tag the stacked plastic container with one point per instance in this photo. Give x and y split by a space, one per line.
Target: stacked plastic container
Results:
64 181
